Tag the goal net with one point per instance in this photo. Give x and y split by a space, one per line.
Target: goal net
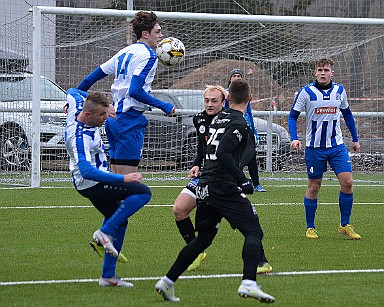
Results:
275 53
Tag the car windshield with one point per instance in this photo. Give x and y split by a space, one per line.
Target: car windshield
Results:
191 101
19 88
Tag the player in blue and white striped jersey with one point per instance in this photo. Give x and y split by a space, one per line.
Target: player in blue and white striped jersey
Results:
116 196
134 68
324 101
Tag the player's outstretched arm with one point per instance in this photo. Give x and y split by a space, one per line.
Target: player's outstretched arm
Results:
90 172
137 91
92 78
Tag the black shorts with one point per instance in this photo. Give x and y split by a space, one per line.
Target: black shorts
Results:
191 186
225 200
106 197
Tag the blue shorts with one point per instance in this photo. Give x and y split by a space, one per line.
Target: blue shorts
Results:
316 160
126 137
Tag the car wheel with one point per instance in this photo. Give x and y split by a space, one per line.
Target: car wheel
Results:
188 152
14 149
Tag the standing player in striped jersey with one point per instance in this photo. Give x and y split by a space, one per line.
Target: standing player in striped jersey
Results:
116 196
323 101
134 68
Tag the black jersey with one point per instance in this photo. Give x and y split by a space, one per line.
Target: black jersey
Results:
201 121
229 135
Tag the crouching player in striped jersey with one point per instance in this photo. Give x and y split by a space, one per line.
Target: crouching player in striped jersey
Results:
116 196
323 101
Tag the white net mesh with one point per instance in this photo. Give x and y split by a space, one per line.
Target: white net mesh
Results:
277 59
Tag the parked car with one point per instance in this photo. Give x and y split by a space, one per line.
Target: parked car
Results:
11 60
168 138
16 122
175 136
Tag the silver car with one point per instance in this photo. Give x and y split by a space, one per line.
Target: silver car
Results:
16 120
175 136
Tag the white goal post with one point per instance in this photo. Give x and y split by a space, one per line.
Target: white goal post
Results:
275 52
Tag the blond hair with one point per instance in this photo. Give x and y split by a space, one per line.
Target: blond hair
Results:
209 88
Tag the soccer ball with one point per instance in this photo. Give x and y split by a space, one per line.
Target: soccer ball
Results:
170 51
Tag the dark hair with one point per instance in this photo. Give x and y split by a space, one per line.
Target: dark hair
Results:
323 62
239 91
143 21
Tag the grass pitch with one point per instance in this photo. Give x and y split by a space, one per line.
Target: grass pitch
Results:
45 259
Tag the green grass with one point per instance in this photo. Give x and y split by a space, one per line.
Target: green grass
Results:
52 245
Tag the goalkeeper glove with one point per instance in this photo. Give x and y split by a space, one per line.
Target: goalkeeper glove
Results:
247 187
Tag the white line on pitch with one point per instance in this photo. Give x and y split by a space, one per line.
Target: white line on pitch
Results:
284 185
171 205
39 282
183 186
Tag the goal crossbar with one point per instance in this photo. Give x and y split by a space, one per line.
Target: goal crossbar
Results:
212 17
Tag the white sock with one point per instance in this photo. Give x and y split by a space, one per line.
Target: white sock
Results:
168 282
248 283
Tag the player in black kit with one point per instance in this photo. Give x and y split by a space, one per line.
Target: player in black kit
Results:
214 99
221 193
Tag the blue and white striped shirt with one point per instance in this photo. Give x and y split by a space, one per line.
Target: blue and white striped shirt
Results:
137 59
88 161
322 109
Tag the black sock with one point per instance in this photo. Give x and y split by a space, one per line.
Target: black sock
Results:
186 229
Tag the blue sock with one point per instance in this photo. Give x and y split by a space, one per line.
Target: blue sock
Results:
310 206
345 205
127 208
109 265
